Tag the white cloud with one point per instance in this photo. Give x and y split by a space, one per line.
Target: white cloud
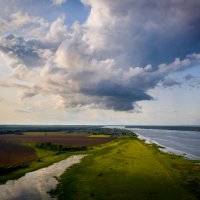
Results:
57 32
58 2
20 21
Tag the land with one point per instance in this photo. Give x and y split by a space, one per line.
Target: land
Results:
14 154
57 138
44 158
118 165
21 129
127 168
29 151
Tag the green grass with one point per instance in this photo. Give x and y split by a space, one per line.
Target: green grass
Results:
99 136
129 169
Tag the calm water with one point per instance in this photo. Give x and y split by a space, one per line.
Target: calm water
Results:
185 143
35 185
180 142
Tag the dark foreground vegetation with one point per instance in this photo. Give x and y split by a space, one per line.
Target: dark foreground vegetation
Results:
59 148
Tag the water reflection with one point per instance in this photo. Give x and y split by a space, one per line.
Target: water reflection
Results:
35 185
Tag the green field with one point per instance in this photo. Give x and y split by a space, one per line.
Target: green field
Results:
129 169
99 136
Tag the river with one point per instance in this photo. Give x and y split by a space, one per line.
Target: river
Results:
185 143
180 142
35 185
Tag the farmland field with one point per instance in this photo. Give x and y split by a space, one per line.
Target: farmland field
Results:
14 154
57 138
20 153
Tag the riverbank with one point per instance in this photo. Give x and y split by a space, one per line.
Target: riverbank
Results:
127 168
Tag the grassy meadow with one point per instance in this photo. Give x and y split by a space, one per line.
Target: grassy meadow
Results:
127 168
99 136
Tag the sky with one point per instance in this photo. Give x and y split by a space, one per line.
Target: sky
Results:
86 62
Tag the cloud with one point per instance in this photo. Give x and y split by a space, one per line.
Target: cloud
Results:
57 32
21 21
58 2
189 77
13 85
19 110
25 91
111 61
28 56
192 81
143 32
21 51
85 82
28 53
168 82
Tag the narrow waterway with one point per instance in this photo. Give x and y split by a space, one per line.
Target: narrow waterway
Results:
35 185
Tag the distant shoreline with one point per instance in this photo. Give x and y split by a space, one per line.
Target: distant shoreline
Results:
18 129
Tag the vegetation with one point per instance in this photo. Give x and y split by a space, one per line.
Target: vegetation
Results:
99 136
124 168
129 169
21 129
110 131
59 148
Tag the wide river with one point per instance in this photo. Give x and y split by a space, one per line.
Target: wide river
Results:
185 143
35 185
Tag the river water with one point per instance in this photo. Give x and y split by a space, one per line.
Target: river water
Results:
185 143
35 185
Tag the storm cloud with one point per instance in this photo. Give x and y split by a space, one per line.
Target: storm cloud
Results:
112 60
21 51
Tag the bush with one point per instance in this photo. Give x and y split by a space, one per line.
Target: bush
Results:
59 148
